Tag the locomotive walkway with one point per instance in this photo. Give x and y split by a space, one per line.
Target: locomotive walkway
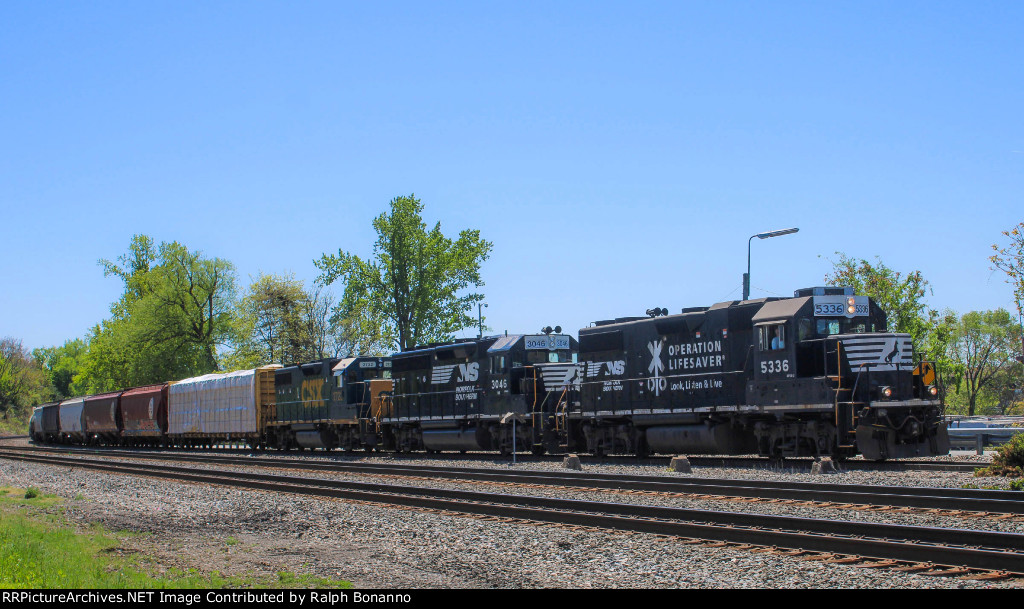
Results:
841 495
931 550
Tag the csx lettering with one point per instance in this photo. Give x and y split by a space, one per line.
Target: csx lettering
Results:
312 390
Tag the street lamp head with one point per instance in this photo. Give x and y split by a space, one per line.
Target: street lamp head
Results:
772 233
776 233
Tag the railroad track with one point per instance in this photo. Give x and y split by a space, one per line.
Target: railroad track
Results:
700 460
955 502
939 551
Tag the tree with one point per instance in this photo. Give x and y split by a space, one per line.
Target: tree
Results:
23 383
1010 260
281 322
901 297
191 303
410 292
62 364
982 347
1006 391
177 309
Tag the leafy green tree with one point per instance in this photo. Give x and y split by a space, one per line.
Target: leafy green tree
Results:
412 290
982 345
23 382
1006 391
62 364
1010 260
133 270
191 303
280 322
176 312
900 296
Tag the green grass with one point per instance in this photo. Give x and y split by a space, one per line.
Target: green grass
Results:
39 550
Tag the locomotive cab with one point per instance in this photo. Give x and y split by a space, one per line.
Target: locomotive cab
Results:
826 353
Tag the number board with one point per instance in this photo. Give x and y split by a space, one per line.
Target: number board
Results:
551 342
835 306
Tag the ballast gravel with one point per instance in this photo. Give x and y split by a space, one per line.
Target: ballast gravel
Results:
243 532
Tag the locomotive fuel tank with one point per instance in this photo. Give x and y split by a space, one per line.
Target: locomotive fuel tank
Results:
701 439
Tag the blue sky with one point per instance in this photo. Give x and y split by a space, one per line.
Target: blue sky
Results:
618 154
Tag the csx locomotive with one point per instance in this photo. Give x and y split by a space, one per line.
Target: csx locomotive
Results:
816 374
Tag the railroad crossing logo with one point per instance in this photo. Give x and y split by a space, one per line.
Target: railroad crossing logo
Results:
656 383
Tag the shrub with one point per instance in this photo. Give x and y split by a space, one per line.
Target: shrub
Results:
1008 461
1011 454
31 492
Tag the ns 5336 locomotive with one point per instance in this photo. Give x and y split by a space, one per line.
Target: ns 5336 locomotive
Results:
816 374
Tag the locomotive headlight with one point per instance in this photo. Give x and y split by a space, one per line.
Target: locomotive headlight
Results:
851 305
886 392
933 390
851 309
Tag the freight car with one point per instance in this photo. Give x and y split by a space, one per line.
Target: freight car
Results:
72 430
144 415
49 422
102 419
333 403
816 374
493 393
221 407
35 425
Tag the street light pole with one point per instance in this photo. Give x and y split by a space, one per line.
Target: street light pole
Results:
480 317
774 233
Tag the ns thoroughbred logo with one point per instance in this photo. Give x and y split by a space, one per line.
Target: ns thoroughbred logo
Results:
468 373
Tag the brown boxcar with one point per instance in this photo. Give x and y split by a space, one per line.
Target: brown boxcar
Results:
103 418
144 414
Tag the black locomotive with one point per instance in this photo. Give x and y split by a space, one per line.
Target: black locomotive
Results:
494 393
816 374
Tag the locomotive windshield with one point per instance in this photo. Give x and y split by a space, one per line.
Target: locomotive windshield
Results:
542 357
828 326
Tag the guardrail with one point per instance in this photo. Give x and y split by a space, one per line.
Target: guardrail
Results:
980 437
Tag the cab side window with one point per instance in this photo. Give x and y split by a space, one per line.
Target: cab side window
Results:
497 364
772 337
